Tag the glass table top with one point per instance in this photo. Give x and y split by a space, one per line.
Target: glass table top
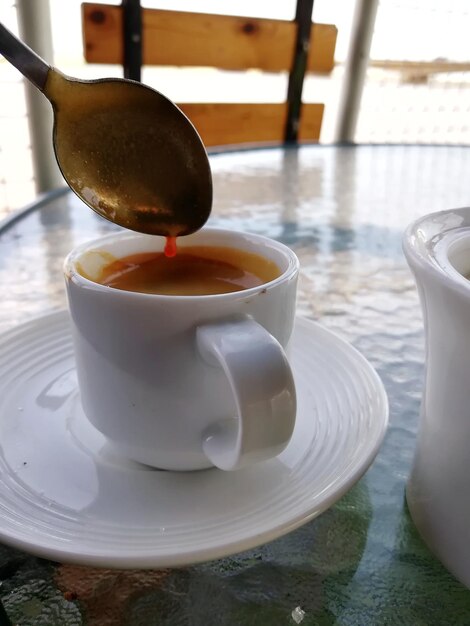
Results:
343 210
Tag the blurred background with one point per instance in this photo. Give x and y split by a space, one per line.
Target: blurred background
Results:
416 87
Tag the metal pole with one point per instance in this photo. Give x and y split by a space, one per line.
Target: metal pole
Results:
356 68
34 21
132 33
303 20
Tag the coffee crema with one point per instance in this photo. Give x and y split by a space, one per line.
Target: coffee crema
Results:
194 271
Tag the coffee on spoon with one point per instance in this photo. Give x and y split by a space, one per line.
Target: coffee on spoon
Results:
126 150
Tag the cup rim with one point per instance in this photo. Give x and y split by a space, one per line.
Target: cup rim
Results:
438 265
71 272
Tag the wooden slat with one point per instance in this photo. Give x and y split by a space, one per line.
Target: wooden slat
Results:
230 124
420 71
321 58
198 39
428 67
311 117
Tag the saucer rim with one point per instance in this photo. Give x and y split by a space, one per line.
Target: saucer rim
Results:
144 560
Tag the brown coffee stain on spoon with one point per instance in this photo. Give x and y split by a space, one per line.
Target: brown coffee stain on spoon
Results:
130 154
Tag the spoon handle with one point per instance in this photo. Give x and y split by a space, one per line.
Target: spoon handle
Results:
23 58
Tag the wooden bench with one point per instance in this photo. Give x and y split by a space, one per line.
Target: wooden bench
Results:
175 38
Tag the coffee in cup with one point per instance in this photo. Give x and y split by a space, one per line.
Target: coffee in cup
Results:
194 271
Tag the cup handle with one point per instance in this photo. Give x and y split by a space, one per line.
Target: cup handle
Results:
263 386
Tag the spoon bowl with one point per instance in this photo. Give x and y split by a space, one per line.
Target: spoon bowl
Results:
130 154
125 149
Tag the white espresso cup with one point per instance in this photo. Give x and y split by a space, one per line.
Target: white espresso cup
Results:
185 382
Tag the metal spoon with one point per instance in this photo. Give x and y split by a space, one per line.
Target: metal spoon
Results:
127 151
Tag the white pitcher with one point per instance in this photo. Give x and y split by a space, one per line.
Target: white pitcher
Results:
437 248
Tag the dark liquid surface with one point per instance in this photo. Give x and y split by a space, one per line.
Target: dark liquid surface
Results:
196 270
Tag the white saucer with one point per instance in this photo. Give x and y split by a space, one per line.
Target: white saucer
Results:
65 494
